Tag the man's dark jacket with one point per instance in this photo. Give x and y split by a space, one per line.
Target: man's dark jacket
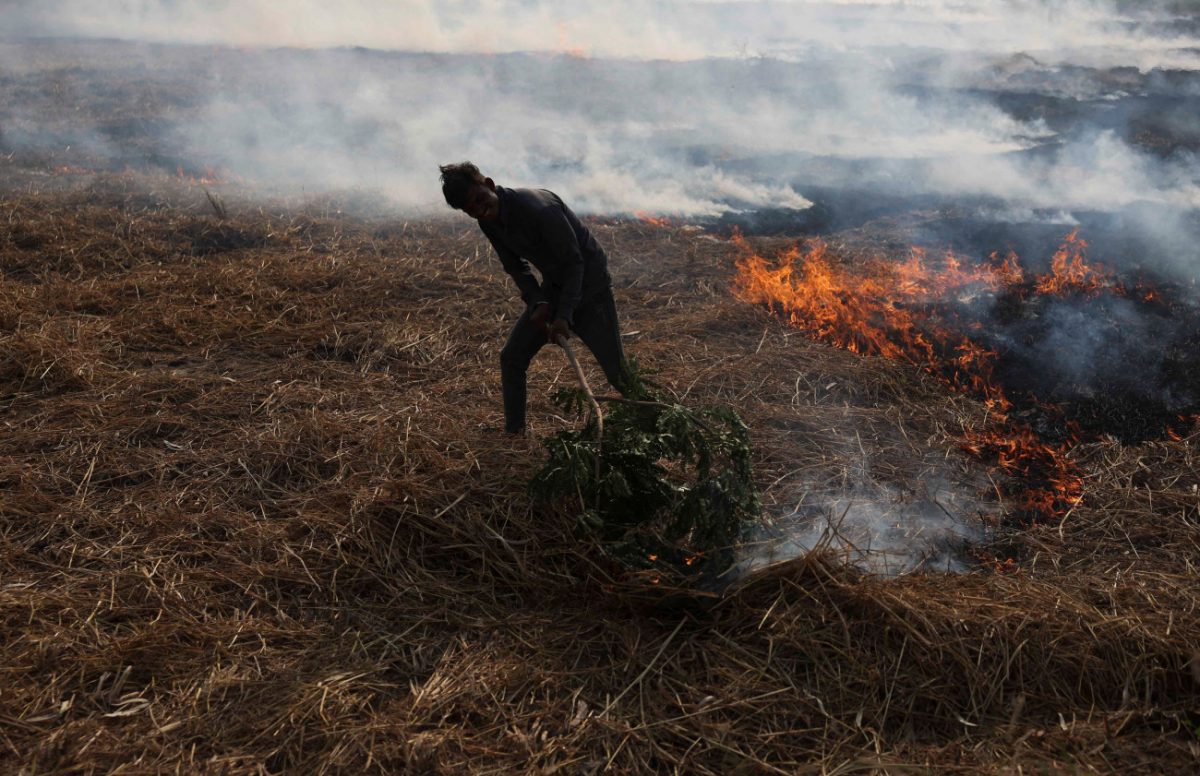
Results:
536 228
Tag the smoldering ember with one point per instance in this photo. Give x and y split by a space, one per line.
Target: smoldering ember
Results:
907 479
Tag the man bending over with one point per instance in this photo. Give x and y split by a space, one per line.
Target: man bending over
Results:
534 228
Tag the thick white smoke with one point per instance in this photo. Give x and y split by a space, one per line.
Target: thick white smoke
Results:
696 88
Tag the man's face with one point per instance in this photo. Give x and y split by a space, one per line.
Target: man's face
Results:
483 204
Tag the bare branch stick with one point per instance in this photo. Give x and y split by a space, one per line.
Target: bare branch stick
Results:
583 383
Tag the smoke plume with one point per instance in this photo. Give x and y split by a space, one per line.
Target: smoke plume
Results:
683 108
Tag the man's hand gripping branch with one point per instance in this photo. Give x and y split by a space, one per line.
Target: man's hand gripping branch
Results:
558 330
553 330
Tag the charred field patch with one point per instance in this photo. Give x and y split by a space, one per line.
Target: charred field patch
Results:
254 517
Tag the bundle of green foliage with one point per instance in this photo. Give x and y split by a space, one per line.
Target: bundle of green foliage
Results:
665 487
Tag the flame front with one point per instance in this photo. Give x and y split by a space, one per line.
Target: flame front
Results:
652 220
899 311
208 176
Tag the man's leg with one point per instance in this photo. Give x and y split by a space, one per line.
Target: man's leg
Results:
524 341
596 325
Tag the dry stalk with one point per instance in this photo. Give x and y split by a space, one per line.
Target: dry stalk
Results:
563 343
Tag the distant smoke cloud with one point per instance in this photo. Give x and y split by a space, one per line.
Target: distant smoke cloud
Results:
1098 172
1075 30
689 108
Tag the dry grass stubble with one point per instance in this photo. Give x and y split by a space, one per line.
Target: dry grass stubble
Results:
254 516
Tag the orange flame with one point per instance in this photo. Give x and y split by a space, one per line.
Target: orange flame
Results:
646 218
1070 272
208 177
1008 270
876 313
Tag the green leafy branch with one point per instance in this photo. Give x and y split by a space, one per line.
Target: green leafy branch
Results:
667 487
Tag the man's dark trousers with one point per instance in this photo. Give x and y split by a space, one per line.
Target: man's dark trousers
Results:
595 324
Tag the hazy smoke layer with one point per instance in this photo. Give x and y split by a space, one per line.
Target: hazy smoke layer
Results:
687 108
1079 31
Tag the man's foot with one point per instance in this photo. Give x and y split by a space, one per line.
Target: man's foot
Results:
501 433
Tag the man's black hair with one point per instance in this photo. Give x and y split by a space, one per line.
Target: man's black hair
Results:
457 179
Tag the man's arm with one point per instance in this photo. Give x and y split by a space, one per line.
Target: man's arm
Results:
521 273
561 239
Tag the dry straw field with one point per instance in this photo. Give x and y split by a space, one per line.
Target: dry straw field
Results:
255 517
